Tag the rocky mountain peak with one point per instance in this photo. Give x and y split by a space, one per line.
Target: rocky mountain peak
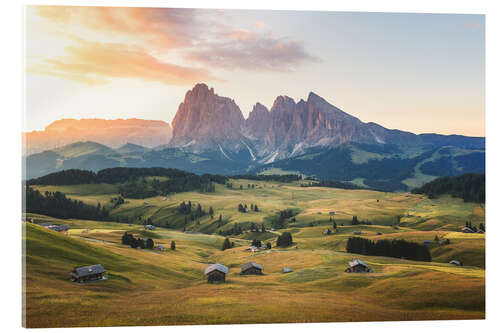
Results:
205 120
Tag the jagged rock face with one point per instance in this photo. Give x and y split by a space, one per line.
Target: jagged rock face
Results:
113 133
205 120
258 123
315 122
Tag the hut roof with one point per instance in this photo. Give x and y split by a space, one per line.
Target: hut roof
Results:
88 270
217 267
455 262
250 265
357 262
287 270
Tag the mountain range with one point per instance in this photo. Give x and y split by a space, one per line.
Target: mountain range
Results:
112 133
210 135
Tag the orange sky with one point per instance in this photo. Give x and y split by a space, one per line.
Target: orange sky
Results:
415 72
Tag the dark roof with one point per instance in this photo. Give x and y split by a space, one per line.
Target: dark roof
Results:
217 267
250 265
357 262
88 270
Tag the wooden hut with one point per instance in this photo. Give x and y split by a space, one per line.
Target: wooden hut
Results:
251 268
216 273
88 273
357 266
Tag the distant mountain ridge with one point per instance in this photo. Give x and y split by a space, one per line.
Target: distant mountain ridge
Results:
208 122
112 133
310 137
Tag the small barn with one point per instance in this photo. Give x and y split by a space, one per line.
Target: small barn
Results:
357 232
216 273
358 266
456 263
251 268
88 273
287 270
149 227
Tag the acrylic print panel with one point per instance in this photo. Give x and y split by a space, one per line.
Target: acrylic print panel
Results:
194 166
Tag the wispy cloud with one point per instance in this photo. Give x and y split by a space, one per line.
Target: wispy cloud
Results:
97 63
163 45
251 51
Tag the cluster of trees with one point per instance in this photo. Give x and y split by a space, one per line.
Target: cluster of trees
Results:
468 224
132 180
397 248
278 178
129 239
235 230
331 183
470 187
243 208
188 209
255 228
227 244
285 239
117 201
355 221
280 219
56 204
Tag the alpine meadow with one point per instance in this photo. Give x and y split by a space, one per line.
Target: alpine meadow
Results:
169 177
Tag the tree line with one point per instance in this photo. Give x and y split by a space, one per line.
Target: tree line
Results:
470 187
277 178
56 204
279 221
397 248
132 180
129 239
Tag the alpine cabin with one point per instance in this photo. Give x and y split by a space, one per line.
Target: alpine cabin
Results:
358 266
251 268
91 273
216 273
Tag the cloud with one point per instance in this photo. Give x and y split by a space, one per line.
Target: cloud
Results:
113 42
165 27
97 63
251 51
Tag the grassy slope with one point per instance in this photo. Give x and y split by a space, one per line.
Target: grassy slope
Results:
147 288
151 288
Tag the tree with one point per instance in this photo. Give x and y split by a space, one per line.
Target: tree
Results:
211 212
285 239
220 220
150 243
263 228
268 245
172 245
334 225
226 244
481 227
355 220
436 238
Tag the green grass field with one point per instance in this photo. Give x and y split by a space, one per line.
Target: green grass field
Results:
148 287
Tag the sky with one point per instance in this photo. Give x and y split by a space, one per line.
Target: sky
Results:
422 73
